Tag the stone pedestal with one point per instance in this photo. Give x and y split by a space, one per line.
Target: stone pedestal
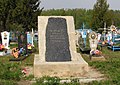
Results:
71 67
98 58
60 69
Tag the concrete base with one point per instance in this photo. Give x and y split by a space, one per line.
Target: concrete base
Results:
100 58
60 69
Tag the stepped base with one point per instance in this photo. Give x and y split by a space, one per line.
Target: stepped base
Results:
60 69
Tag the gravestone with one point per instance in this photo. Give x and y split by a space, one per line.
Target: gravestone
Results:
13 37
57 50
22 41
93 39
5 39
29 38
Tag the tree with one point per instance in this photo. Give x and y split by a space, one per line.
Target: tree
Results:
26 13
100 11
6 8
21 13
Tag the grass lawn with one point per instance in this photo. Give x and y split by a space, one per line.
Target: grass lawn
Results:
110 67
10 72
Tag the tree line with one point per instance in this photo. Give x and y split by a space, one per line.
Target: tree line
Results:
22 15
86 16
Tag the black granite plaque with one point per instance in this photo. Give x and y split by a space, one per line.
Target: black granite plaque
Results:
57 41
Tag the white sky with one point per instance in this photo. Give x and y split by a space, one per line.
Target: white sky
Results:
88 4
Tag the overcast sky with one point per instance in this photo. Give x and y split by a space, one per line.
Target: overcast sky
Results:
88 4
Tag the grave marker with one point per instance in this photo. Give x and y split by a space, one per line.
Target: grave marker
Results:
57 50
22 41
93 40
5 39
29 38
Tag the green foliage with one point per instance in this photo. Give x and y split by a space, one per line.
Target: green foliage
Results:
6 7
92 18
100 11
17 14
15 27
26 13
115 17
80 15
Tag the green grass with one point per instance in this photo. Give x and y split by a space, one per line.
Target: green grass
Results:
110 67
13 45
11 71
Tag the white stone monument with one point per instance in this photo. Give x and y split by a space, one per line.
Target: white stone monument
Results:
5 39
71 63
93 39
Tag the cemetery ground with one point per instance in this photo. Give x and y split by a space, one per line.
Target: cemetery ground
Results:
11 72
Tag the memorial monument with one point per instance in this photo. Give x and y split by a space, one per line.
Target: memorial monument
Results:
57 50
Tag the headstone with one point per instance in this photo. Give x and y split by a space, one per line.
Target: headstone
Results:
57 50
29 38
5 39
22 41
93 39
13 36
